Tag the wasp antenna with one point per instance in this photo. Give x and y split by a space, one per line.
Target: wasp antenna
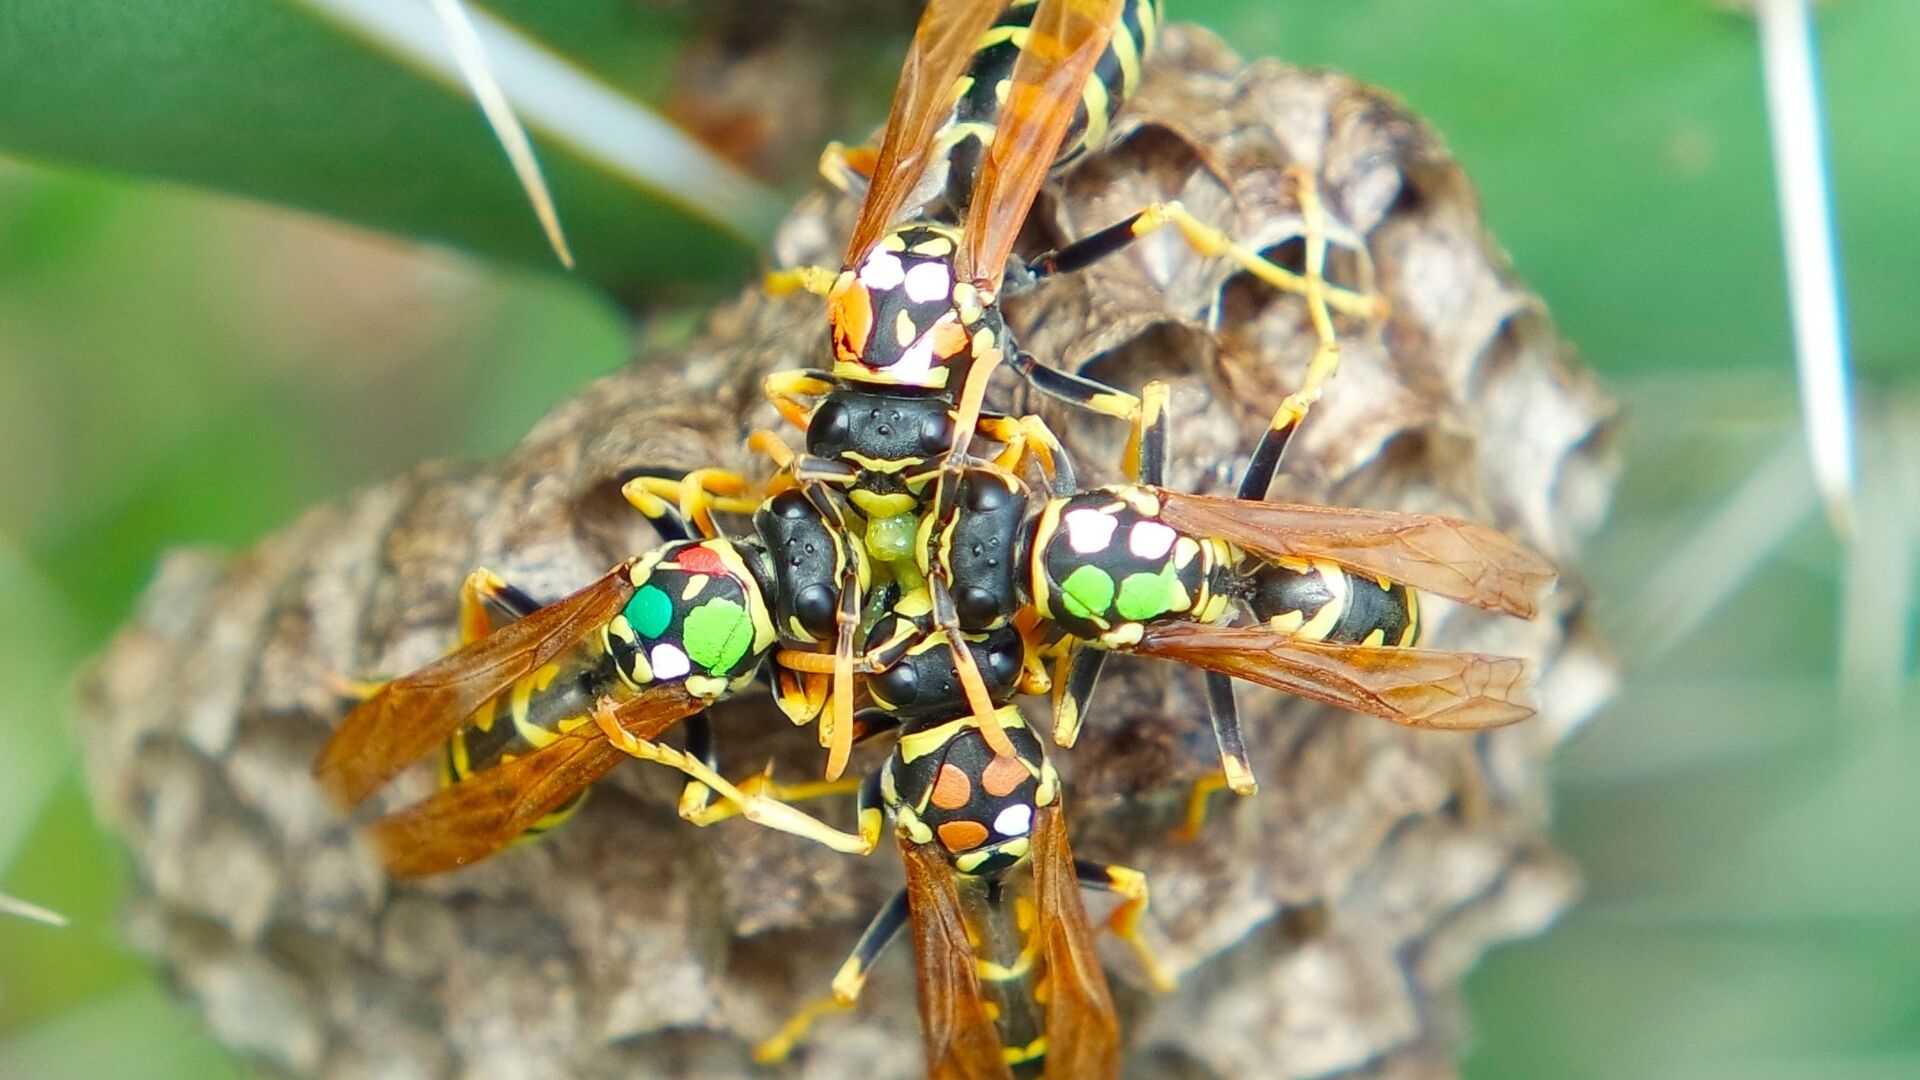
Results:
471 56
10 905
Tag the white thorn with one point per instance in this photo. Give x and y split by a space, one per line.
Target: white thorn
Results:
10 905
471 55
1806 220
568 106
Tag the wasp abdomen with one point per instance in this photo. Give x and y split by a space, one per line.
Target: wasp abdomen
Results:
1323 601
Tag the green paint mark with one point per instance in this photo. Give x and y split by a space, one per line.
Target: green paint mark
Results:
1144 596
650 610
718 633
1087 592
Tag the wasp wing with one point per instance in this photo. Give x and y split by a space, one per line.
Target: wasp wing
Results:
411 715
1442 555
1083 1032
944 43
1422 688
1063 46
960 1038
478 816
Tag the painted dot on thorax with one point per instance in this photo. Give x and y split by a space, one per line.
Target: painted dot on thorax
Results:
959 836
951 788
1089 531
1015 820
1003 775
927 282
882 270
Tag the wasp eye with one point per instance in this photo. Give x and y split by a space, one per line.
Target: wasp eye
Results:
791 505
985 496
815 609
1003 663
975 605
936 433
898 685
830 424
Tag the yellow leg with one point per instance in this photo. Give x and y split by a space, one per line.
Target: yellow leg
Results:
696 807
792 391
1211 242
698 495
817 280
1127 921
759 809
1197 796
1066 711
848 169
1022 439
780 1047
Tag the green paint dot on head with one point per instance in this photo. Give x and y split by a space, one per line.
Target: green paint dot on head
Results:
1087 592
1146 596
649 611
718 633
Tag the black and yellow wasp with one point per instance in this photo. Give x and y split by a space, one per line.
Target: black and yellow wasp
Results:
992 97
529 714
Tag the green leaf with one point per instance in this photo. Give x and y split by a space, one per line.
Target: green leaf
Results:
353 109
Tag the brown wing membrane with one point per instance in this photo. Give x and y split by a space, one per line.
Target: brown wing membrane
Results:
413 714
1083 1033
961 1042
1064 44
1422 688
485 812
1442 555
949 30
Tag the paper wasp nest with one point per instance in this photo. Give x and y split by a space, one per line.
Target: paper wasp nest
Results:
1321 927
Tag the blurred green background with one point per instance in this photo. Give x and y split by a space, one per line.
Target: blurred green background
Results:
178 367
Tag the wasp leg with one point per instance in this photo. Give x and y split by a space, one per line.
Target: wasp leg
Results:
759 809
697 495
792 392
1077 390
1225 715
1127 919
1028 438
847 983
1196 816
849 169
817 280
1321 298
1076 674
1147 445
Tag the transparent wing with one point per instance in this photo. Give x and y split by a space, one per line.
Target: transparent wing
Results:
1063 46
941 47
1422 688
1442 555
410 716
1083 1032
961 1041
478 816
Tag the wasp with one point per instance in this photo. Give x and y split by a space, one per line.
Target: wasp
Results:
993 97
532 712
1009 981
1321 602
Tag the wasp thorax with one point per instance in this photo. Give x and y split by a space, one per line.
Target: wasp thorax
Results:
897 315
696 615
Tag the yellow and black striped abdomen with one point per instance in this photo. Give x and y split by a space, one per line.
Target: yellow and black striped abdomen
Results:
540 707
1323 601
982 91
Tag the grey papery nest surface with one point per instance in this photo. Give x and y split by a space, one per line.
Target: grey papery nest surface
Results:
1320 927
